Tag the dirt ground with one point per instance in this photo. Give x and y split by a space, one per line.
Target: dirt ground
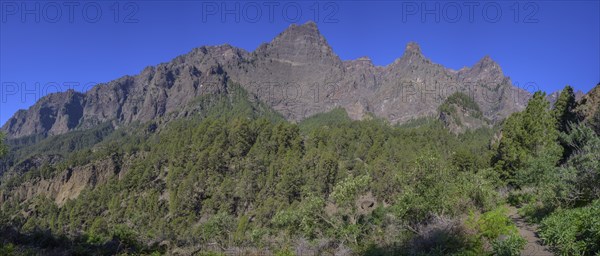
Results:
529 232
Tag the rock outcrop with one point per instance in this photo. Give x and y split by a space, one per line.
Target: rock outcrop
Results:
67 184
588 107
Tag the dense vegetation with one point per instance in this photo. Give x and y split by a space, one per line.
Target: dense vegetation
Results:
239 176
459 101
552 160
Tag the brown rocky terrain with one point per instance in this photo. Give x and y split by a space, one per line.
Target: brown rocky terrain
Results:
68 184
589 105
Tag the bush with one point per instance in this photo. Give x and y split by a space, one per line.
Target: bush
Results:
518 198
285 252
573 231
496 223
509 246
7 249
498 229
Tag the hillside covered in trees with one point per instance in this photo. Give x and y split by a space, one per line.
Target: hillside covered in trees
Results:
236 176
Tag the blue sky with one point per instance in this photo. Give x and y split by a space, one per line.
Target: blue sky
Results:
51 46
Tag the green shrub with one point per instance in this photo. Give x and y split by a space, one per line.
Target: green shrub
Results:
573 231
334 117
7 249
463 101
285 252
495 223
497 228
518 198
509 246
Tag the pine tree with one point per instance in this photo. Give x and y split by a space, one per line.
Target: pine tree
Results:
565 117
563 110
538 123
3 148
528 137
595 122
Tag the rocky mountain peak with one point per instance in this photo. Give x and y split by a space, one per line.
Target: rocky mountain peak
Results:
485 69
307 33
412 48
299 45
412 59
487 64
487 61
52 114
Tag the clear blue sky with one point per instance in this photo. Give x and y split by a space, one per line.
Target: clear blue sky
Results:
549 43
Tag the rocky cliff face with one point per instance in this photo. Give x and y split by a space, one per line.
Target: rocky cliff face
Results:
69 183
589 106
553 97
54 114
297 74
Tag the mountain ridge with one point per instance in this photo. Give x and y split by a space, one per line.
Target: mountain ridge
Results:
297 74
